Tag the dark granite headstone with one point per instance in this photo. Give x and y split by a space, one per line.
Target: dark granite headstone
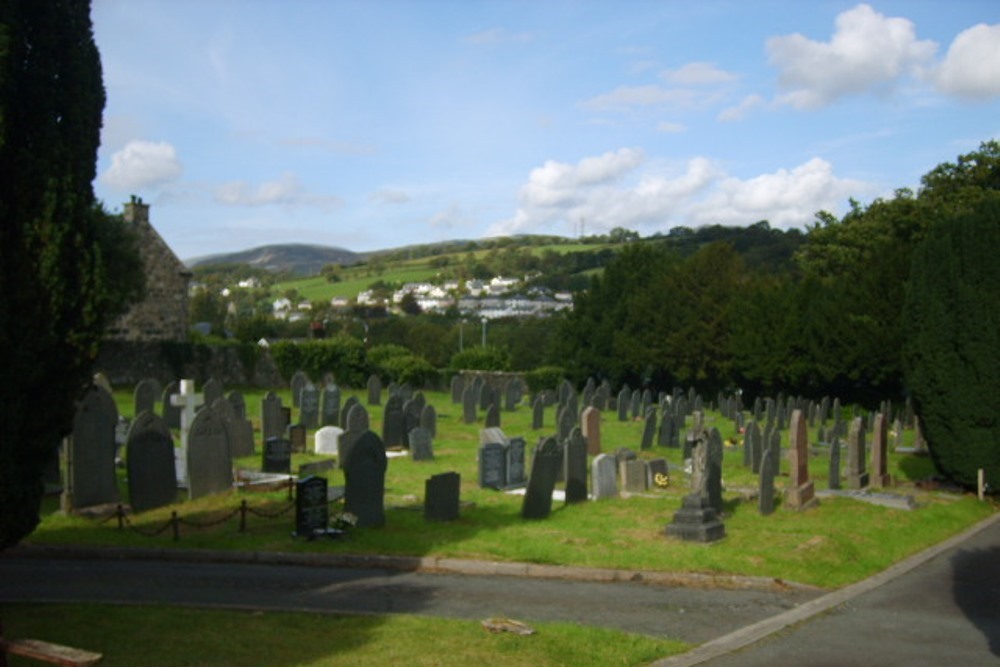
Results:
209 463
144 396
428 419
624 397
857 477
469 405
648 430
576 467
272 417
238 404
492 419
364 475
149 455
298 380
277 456
516 476
297 438
493 465
171 413
309 406
659 473
374 390
542 482
312 509
212 391
457 387
345 410
441 497
393 433
833 478
714 470
329 406
92 479
766 499
537 413
421 444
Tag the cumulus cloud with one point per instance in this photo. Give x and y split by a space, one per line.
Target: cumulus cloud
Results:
635 194
971 67
143 164
286 190
738 112
867 52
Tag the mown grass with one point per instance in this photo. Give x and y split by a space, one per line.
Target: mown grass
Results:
839 542
169 637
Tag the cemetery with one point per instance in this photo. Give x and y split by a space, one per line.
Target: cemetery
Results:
597 477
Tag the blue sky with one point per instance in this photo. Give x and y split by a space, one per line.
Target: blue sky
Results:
377 124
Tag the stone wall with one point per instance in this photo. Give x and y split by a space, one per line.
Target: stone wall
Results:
163 314
128 362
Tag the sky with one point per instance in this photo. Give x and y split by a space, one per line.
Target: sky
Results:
376 124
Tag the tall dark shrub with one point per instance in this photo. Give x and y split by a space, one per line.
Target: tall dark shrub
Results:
953 348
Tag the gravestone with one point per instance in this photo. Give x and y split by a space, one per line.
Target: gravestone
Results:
623 400
469 405
516 476
297 438
393 433
329 406
345 410
590 426
235 435
428 419
149 455
272 417
658 473
309 406
493 465
538 413
492 416
576 467
374 390
209 464
364 475
857 478
91 451
713 479
542 481
567 422
749 445
298 380
356 424
512 395
411 417
457 387
800 493
277 456
880 452
648 430
144 396
237 403
188 401
441 497
171 412
312 509
766 498
697 520
604 473
634 475
212 391
666 435
326 440
635 404
833 480
421 445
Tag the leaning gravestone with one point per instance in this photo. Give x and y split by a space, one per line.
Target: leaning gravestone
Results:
277 456
421 445
149 454
441 497
604 472
364 476
312 510
91 451
144 396
209 465
542 481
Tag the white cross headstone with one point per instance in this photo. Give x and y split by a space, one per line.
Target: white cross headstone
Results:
189 402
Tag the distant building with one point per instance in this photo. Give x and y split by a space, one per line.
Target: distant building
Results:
163 314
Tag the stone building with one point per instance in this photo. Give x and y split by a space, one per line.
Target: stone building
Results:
163 314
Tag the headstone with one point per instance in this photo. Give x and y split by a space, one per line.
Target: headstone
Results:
542 481
696 521
393 433
212 390
374 390
309 406
624 397
237 403
297 438
713 478
667 434
144 396
312 509
364 475
469 405
298 380
492 416
511 395
356 424
800 493
188 401
329 406
567 422
421 444
326 440
457 387
345 410
634 476
493 465
171 412
590 426
209 463
576 467
441 497
224 412
648 430
857 477
277 456
428 419
880 452
658 473
833 480
604 472
271 417
766 499
635 404
516 476
538 413
91 451
149 456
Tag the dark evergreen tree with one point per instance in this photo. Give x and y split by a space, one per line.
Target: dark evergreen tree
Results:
953 349
66 268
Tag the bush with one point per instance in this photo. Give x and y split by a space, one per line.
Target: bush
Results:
545 377
341 355
412 370
487 358
952 353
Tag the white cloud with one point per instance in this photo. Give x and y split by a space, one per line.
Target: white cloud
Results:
697 74
389 196
738 112
867 52
142 164
972 66
786 198
636 194
286 190
627 97
671 128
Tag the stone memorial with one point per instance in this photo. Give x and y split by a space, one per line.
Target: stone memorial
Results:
374 390
648 430
345 410
590 426
604 474
312 509
441 497
298 380
144 396
833 480
149 456
271 417
493 465
393 434
309 406
457 387
329 406
800 493
713 473
421 444
658 473
91 476
188 401
297 438
212 390
576 467
209 463
634 475
857 478
880 452
238 404
766 498
492 419
542 481
538 413
516 477
326 440
428 419
171 413
277 456
697 520
364 475
469 412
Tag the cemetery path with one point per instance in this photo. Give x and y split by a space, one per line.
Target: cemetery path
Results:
694 615
940 607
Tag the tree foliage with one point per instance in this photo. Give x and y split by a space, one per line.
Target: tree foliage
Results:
67 268
953 351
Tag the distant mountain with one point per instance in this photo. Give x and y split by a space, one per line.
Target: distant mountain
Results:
301 259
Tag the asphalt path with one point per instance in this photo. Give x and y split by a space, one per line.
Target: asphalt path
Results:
690 614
